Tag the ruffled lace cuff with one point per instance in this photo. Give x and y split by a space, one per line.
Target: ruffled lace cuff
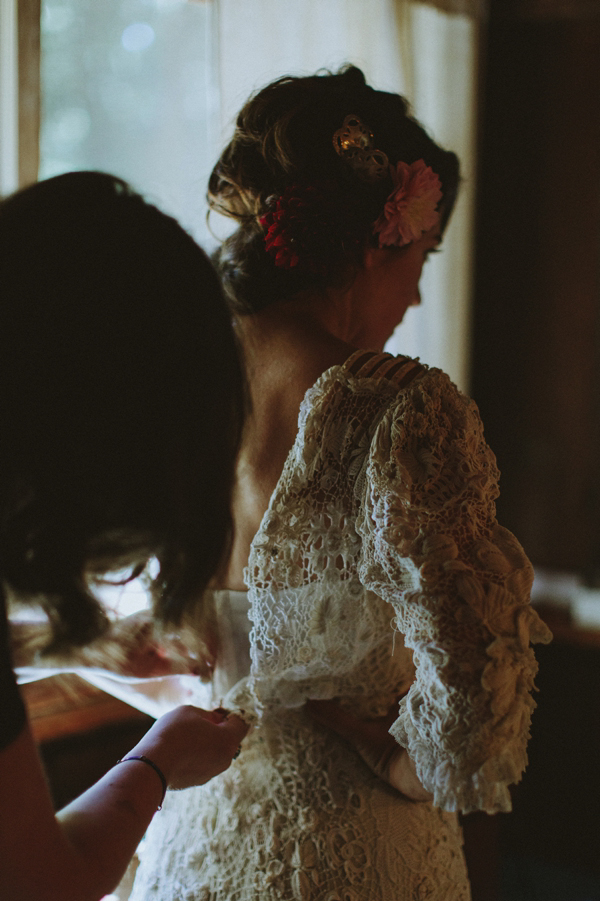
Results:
460 586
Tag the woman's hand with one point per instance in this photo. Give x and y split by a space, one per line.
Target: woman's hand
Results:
191 745
372 740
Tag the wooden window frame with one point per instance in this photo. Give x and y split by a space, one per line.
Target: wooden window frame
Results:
29 95
20 93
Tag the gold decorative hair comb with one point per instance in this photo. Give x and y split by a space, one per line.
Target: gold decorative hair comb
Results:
354 143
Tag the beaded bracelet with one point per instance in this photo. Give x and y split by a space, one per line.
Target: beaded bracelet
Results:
156 769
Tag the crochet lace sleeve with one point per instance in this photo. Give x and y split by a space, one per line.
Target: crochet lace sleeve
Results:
460 585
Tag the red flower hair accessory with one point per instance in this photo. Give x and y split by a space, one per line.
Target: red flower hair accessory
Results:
305 225
411 208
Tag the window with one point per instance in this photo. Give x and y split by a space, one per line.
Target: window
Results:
130 87
148 89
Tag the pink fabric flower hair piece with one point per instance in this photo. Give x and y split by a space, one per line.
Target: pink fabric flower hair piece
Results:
411 208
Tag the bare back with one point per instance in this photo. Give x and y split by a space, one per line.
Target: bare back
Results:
284 359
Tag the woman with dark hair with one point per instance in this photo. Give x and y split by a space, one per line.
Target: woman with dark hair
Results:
382 592
121 405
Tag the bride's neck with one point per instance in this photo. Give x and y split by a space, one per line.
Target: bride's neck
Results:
309 319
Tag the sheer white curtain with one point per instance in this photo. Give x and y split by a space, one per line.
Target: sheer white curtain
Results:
441 53
416 49
149 89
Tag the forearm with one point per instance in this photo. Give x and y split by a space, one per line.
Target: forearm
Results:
372 740
105 825
401 774
81 853
390 761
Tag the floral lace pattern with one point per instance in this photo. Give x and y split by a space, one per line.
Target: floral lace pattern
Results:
379 570
298 817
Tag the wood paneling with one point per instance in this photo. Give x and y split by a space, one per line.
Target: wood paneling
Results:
66 705
536 359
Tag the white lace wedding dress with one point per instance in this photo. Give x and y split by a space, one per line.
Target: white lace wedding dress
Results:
379 569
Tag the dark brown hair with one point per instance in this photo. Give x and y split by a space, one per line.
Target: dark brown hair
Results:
284 136
121 399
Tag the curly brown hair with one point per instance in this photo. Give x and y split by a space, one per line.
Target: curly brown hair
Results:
283 138
121 400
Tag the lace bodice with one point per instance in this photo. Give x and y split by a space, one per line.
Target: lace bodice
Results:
378 571
383 519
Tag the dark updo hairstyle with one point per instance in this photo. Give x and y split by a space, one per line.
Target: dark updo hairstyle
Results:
283 137
121 400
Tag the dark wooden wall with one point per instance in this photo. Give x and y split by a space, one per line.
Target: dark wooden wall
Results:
536 348
536 378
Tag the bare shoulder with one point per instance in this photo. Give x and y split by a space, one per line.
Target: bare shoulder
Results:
311 359
284 360
286 356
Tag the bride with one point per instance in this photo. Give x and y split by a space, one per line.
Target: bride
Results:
367 566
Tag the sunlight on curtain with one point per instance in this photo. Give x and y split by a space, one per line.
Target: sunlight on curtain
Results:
263 39
442 73
149 89
130 87
413 49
